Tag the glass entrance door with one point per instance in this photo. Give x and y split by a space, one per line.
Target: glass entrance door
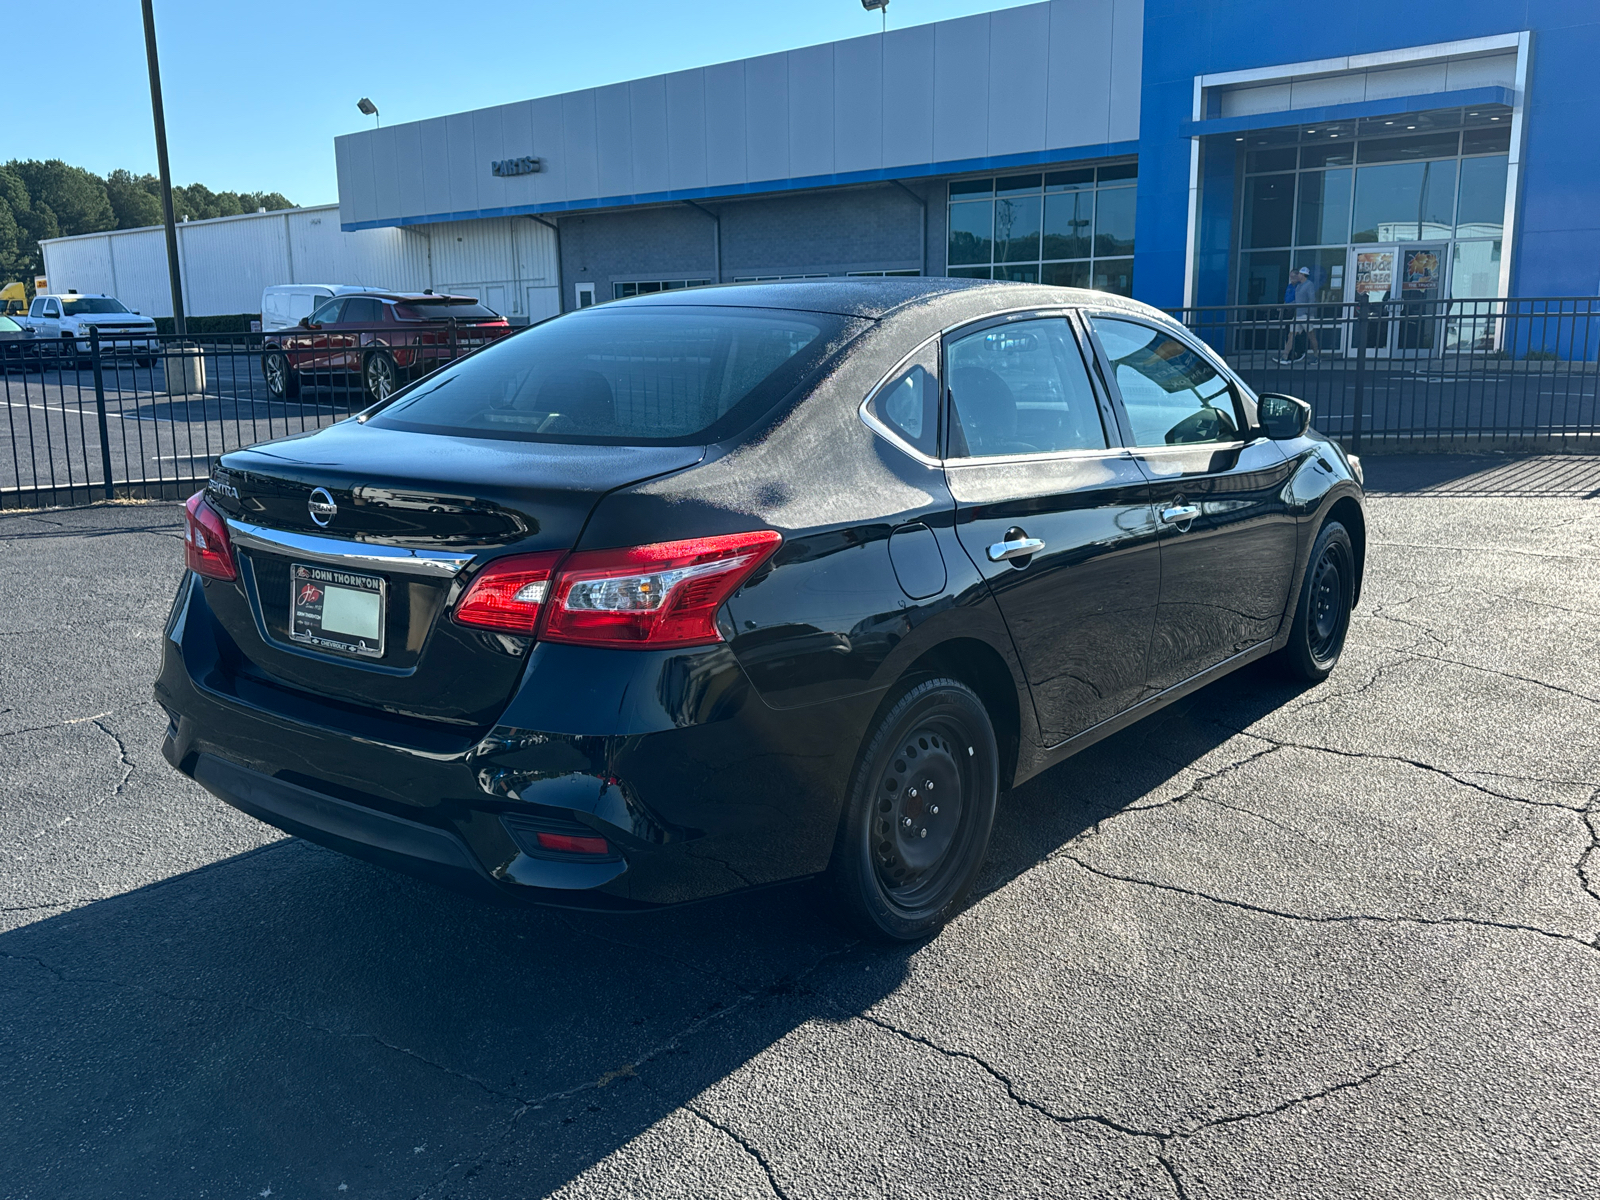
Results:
1403 283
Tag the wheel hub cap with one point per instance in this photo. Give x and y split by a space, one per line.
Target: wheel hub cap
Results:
919 808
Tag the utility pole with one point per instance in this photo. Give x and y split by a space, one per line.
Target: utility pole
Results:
166 173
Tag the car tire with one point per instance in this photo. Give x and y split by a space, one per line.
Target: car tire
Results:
283 381
907 854
380 376
1322 616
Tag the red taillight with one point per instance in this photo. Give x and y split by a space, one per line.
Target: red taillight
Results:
661 595
509 593
647 596
566 843
205 541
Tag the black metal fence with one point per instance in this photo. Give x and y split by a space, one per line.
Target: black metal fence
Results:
146 415
1410 373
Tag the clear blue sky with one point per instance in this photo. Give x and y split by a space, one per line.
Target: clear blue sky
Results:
255 93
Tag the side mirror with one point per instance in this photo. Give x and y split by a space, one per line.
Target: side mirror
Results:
1283 418
305 322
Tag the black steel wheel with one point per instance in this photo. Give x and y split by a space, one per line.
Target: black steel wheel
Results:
381 375
1322 617
917 820
283 381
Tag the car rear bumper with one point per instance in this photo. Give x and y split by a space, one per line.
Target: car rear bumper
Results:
707 793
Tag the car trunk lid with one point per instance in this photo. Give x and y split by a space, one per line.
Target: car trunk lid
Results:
397 515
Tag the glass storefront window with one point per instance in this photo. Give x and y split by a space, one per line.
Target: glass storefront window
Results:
971 232
1405 202
1424 184
1070 228
1269 210
1324 215
1481 208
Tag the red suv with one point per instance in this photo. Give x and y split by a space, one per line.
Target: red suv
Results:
385 339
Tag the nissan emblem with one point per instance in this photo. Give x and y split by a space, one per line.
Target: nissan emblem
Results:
321 506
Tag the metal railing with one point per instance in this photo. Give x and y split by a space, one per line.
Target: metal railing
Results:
1423 373
146 415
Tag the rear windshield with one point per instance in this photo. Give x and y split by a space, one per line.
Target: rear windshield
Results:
80 305
629 375
441 310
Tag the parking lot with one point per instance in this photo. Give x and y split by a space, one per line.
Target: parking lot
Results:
1337 942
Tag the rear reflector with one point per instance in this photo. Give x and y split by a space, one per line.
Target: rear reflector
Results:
665 594
206 548
566 843
508 594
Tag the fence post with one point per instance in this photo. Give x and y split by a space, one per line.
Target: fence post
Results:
1361 362
100 409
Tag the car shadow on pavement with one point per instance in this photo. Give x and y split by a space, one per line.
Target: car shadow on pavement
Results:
293 1020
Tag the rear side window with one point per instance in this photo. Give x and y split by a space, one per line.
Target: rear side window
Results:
362 312
627 375
1020 388
908 404
1173 396
422 310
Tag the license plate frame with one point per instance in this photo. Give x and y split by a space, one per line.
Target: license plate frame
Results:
309 585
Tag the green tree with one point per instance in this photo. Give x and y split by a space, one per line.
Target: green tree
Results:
76 197
135 199
10 244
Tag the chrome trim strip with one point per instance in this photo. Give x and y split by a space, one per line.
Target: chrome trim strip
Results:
444 564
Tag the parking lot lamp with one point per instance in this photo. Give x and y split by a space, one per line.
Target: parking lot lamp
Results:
371 109
174 275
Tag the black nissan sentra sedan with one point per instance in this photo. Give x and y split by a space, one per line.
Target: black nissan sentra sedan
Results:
707 590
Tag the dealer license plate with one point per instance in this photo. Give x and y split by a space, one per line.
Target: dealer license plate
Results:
336 610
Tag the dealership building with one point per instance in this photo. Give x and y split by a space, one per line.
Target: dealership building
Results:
1184 153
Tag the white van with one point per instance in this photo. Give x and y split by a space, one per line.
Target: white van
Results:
283 304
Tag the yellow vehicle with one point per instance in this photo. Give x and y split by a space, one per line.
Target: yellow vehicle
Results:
13 300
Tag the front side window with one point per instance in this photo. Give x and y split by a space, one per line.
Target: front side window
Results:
1172 395
1020 388
328 314
909 403
52 309
625 375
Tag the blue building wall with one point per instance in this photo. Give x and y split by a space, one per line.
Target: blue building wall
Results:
1556 244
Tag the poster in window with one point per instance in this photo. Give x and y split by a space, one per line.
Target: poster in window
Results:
1422 270
1374 273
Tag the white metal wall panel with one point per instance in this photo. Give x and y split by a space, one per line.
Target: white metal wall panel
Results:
1031 79
766 101
578 144
225 262
857 114
1127 57
647 117
685 94
727 160
961 97
1375 83
810 100
1019 78
613 140
139 257
1079 102
908 85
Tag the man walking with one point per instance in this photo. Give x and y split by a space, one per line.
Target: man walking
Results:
1302 293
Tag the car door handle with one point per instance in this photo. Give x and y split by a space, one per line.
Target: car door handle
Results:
1179 513
1016 548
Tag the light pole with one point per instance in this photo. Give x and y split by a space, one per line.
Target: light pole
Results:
371 109
176 276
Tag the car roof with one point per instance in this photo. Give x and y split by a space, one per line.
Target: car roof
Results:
875 298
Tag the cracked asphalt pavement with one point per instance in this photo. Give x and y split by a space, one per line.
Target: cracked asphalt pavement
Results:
1336 942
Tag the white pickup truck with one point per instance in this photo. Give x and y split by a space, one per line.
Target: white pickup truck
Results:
70 317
